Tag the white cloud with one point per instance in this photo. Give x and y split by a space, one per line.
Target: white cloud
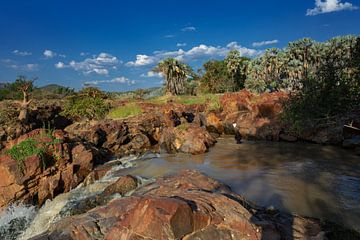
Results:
194 53
188 29
60 65
49 54
97 64
84 54
21 53
121 80
151 74
169 36
328 6
181 44
264 43
142 60
25 67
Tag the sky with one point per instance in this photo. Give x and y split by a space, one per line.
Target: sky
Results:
114 45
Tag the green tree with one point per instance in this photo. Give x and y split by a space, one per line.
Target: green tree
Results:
215 77
236 67
24 86
175 73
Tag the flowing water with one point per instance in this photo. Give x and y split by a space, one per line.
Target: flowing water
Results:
307 179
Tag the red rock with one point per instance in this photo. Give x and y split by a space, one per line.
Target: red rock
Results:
185 206
188 138
33 182
122 186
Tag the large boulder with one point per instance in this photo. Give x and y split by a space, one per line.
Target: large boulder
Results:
185 206
186 138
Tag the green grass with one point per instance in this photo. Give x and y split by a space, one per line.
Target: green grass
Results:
129 110
213 100
33 147
25 149
183 127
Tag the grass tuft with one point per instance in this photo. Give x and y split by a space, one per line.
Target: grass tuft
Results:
128 110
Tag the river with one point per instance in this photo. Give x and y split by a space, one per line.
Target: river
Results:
307 179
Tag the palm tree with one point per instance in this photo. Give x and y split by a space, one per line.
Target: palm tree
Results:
175 74
234 64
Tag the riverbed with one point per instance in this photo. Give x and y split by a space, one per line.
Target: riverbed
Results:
306 179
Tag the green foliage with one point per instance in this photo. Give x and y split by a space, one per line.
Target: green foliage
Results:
85 107
216 78
224 76
128 110
175 73
329 93
289 68
92 92
25 149
34 147
15 90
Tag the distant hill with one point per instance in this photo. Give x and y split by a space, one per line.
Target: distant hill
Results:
52 91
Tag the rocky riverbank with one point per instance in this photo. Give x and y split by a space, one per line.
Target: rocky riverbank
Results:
189 205
169 127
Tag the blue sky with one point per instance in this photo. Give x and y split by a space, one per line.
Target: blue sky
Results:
115 44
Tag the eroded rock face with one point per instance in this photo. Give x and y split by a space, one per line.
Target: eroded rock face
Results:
34 183
186 206
256 116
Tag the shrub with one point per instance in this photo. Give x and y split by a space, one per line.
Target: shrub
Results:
85 108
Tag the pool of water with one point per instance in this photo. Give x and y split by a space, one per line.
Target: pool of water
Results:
307 179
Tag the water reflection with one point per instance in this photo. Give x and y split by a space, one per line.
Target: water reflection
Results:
311 180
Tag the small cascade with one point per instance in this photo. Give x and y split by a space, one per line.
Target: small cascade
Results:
14 220
23 222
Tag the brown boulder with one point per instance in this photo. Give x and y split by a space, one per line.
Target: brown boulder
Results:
186 206
187 138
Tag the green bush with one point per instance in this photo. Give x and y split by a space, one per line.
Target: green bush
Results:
85 107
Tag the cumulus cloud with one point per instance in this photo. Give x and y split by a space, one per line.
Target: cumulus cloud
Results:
188 29
142 60
49 54
21 53
264 43
181 44
120 80
194 53
97 64
151 74
328 6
